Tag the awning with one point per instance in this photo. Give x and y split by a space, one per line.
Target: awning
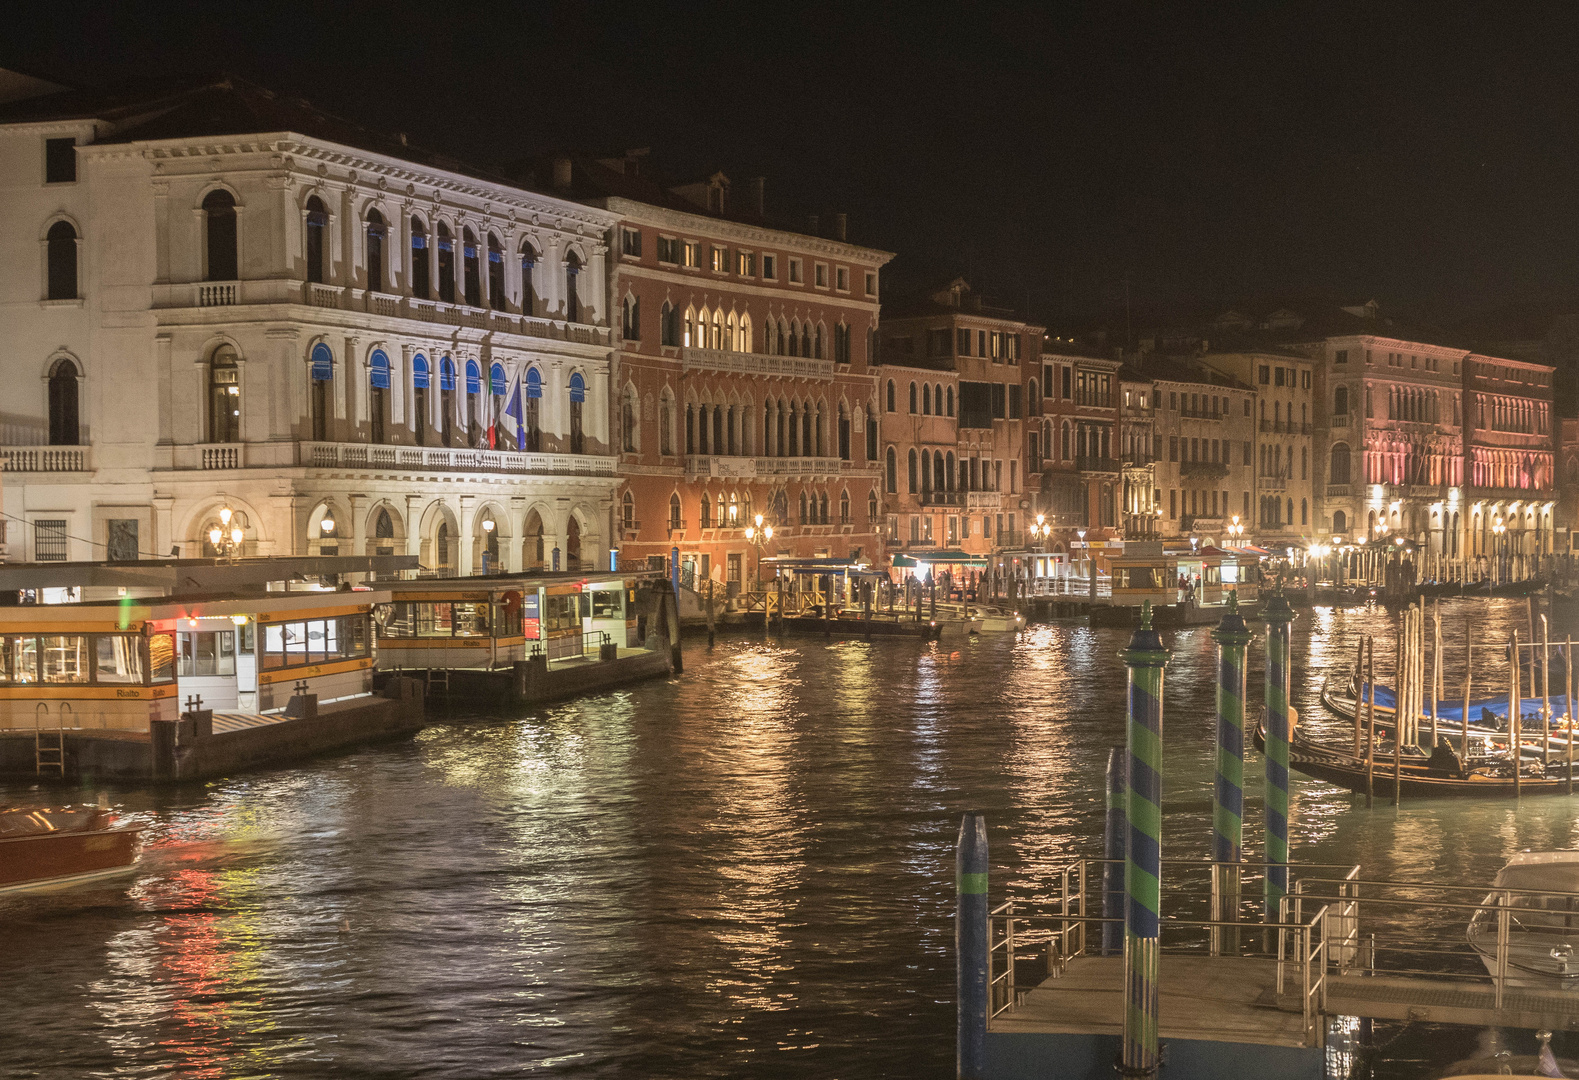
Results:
937 558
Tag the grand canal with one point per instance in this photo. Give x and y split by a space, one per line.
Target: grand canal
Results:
743 872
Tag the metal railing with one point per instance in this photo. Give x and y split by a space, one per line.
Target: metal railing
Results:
1225 921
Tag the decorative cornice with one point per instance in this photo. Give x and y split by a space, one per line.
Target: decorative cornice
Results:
704 226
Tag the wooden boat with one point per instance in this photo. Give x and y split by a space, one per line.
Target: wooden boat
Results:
1488 777
1542 889
49 847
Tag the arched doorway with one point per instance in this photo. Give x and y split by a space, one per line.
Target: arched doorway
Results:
573 544
532 547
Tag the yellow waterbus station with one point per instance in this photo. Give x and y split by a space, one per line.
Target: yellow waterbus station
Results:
527 637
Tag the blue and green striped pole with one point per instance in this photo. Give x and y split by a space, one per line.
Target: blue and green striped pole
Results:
1279 681
1145 658
1114 838
970 947
1228 796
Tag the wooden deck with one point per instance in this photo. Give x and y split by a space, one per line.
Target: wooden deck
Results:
1222 999
1233 999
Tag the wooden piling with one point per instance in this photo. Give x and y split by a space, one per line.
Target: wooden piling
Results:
1546 697
1400 694
1370 722
1568 707
1515 748
1436 668
1463 745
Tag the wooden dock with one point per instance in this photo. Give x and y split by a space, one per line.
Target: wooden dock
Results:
1235 1000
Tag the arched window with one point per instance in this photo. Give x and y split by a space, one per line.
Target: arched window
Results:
224 396
377 232
384 529
628 409
420 286
496 297
471 271
630 318
871 507
914 486
786 340
890 395
805 340
578 397
528 281
473 404
627 511
716 341
321 374
572 297
912 399
674 513
822 508
497 385
317 229
1304 512
893 471
1340 522
816 351
534 410
441 546
446 264
844 433
64 424
446 401
421 377
1340 401
949 401
572 544
219 212
948 471
926 400
669 325
806 517
1339 473
378 395
61 251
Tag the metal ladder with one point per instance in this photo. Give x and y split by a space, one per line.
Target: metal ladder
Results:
48 759
438 677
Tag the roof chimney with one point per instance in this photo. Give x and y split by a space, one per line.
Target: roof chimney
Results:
813 225
759 185
841 226
562 173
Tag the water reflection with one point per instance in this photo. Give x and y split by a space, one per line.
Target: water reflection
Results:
747 871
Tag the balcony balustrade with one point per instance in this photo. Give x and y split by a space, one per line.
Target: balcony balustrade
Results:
719 465
1207 470
1096 465
389 305
369 456
741 363
46 459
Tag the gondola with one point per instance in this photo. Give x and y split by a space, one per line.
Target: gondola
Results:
1487 777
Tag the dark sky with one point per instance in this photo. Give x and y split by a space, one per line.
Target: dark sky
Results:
1426 155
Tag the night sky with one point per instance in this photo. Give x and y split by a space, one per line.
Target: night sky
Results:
1424 156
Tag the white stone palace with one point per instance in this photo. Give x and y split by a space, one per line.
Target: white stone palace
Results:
218 298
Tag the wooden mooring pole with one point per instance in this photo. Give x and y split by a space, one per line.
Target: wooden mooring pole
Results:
1515 743
1370 721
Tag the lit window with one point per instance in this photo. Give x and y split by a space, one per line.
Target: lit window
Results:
745 264
720 260
693 254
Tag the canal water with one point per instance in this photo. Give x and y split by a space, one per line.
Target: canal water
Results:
744 872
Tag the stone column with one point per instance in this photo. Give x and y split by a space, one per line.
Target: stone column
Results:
465 521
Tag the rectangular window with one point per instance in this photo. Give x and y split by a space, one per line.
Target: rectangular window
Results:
693 254
1264 376
64 658
720 260
770 267
938 342
49 540
981 343
630 242
60 161
668 249
745 264
999 401
1173 448
822 275
963 342
1066 381
1246 459
1304 380
1369 359
794 272
201 652
871 283
118 658
1341 356
1277 377
1014 401
841 280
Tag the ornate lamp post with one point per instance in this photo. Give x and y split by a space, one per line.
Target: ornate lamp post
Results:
490 546
226 537
759 534
1235 530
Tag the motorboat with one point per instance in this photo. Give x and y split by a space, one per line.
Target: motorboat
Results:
52 846
1539 890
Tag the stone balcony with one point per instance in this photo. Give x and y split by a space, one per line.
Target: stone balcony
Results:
701 466
212 294
46 459
367 457
740 363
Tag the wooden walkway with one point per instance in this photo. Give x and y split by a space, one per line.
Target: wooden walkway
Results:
1234 999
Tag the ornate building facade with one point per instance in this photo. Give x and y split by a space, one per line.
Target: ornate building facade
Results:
224 300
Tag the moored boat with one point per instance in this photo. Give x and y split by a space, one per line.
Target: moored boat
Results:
54 846
1540 890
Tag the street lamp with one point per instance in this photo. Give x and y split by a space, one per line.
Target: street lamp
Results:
227 536
1235 530
759 534
490 545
